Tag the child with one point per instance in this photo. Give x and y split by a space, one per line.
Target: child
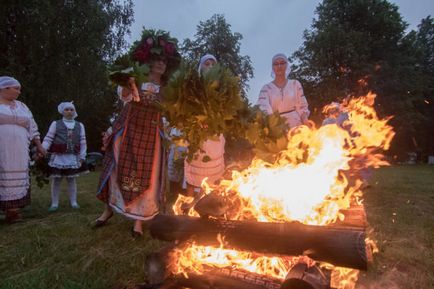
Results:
66 141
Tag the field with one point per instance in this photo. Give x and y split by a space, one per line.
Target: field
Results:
61 250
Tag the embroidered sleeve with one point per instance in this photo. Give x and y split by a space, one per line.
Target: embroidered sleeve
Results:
123 96
83 144
264 100
33 128
302 106
48 139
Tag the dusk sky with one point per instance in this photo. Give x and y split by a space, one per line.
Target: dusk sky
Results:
268 26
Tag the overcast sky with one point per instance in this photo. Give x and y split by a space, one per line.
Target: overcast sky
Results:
268 26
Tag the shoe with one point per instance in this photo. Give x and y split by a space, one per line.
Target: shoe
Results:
75 206
13 217
135 234
100 223
53 209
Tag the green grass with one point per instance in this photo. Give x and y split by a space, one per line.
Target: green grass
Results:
61 250
400 210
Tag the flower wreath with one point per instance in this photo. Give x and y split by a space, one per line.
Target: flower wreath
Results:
153 45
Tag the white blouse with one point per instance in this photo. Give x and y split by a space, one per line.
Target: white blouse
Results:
289 101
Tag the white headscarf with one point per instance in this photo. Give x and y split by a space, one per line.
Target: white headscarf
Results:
280 56
202 61
7 81
61 107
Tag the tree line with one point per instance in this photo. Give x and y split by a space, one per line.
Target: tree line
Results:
59 50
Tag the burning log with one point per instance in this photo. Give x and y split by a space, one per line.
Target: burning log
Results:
339 246
226 279
301 276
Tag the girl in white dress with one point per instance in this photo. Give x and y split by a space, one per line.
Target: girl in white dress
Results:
66 141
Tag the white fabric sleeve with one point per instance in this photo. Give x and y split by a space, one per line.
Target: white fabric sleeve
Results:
125 99
33 129
301 106
83 144
264 100
48 139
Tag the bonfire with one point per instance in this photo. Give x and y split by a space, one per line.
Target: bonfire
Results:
296 222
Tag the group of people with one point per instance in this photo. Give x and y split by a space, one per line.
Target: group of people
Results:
131 182
65 142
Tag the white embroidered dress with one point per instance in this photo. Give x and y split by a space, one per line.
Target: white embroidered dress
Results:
289 101
196 170
17 129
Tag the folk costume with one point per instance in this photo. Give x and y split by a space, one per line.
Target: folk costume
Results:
132 179
289 101
66 143
17 129
213 150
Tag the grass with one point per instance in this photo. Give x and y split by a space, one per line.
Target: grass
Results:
61 250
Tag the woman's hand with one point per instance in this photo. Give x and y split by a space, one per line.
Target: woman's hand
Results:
40 152
134 91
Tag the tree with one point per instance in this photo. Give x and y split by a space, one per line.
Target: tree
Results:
214 36
423 45
58 50
356 46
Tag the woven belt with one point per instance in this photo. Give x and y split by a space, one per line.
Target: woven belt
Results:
288 111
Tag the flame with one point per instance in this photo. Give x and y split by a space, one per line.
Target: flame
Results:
311 181
194 258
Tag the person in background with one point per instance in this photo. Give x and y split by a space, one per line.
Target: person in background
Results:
284 95
17 130
197 170
66 142
332 112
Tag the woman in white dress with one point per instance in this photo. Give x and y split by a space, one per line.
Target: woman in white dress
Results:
284 95
197 170
17 130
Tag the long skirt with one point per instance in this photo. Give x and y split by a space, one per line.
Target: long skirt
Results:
131 182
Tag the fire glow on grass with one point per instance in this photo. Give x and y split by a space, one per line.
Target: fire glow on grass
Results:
313 179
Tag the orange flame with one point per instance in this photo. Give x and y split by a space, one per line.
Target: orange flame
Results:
312 180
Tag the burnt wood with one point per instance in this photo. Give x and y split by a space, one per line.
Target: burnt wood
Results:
340 246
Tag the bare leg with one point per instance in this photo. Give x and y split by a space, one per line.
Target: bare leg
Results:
138 227
108 212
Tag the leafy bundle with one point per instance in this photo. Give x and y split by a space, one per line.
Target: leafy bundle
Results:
123 68
202 106
268 135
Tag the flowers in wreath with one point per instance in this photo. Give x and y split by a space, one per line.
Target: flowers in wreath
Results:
154 44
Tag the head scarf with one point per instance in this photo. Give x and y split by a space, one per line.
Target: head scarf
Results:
202 61
280 56
7 81
61 107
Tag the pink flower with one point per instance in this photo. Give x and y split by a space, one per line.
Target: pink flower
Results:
169 48
161 41
149 41
142 52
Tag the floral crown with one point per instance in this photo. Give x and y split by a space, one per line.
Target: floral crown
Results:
156 44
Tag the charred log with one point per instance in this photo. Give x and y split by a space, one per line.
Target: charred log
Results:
340 246
226 279
303 277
